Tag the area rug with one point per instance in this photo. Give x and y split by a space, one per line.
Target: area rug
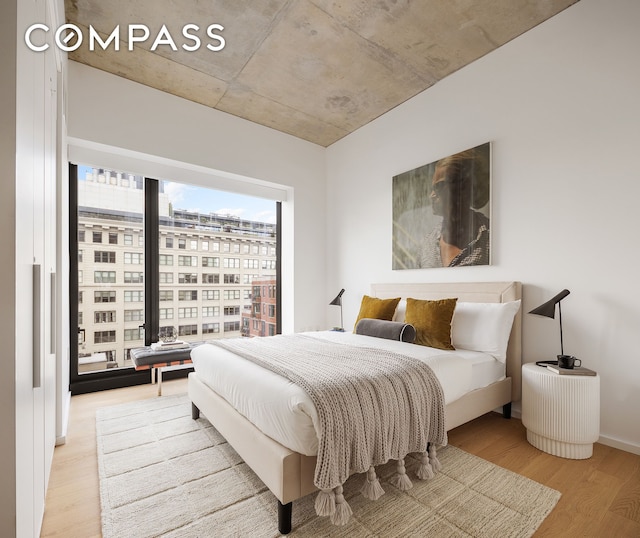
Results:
164 474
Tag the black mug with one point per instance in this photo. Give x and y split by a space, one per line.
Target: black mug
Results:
568 361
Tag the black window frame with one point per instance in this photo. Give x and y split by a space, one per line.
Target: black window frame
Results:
117 378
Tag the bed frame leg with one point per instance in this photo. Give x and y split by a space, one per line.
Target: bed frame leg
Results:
506 410
195 412
284 517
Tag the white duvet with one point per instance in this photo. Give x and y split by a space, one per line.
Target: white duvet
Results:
284 412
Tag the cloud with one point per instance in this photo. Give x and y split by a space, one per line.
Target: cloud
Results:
176 192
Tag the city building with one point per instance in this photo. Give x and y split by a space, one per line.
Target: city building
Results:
210 268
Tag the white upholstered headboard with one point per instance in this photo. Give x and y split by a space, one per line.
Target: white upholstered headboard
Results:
477 292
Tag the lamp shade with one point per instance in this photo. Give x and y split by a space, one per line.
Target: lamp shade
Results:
548 309
338 300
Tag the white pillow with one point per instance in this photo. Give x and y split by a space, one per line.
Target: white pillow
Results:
401 310
483 327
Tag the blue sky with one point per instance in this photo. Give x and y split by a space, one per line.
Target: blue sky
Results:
202 200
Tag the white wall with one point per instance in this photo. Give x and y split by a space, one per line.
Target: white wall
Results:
181 140
560 105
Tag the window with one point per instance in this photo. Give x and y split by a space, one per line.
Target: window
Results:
187 330
210 261
134 315
166 295
102 337
248 279
104 317
103 256
185 261
187 278
231 294
210 328
166 313
268 264
133 296
133 278
210 311
210 295
104 296
132 245
272 310
231 263
231 326
187 295
134 334
104 277
133 258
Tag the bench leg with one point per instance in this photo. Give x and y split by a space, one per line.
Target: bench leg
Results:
195 412
159 381
284 517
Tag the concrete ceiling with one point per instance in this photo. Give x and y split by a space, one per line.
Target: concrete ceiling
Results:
316 69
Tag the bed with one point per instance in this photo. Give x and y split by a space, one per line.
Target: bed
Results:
289 473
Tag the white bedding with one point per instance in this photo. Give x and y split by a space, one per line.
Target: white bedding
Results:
284 412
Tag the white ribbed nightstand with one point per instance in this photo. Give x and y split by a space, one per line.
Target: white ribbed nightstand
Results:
561 412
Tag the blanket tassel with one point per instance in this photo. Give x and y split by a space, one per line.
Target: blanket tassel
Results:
433 459
371 488
343 511
325 502
425 470
400 479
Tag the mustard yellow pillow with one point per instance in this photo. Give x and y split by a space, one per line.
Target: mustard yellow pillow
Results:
432 321
372 307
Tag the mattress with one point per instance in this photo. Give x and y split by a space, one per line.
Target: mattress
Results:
284 412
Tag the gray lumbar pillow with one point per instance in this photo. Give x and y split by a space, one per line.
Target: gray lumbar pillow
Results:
391 330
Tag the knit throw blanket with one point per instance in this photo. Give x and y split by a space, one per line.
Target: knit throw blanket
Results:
373 406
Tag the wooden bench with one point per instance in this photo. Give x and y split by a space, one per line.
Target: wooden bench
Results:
145 358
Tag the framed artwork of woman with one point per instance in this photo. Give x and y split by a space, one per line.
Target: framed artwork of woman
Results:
442 212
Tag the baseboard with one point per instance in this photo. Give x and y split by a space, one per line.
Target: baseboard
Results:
621 445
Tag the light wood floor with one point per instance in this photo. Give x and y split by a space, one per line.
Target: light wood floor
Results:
600 496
